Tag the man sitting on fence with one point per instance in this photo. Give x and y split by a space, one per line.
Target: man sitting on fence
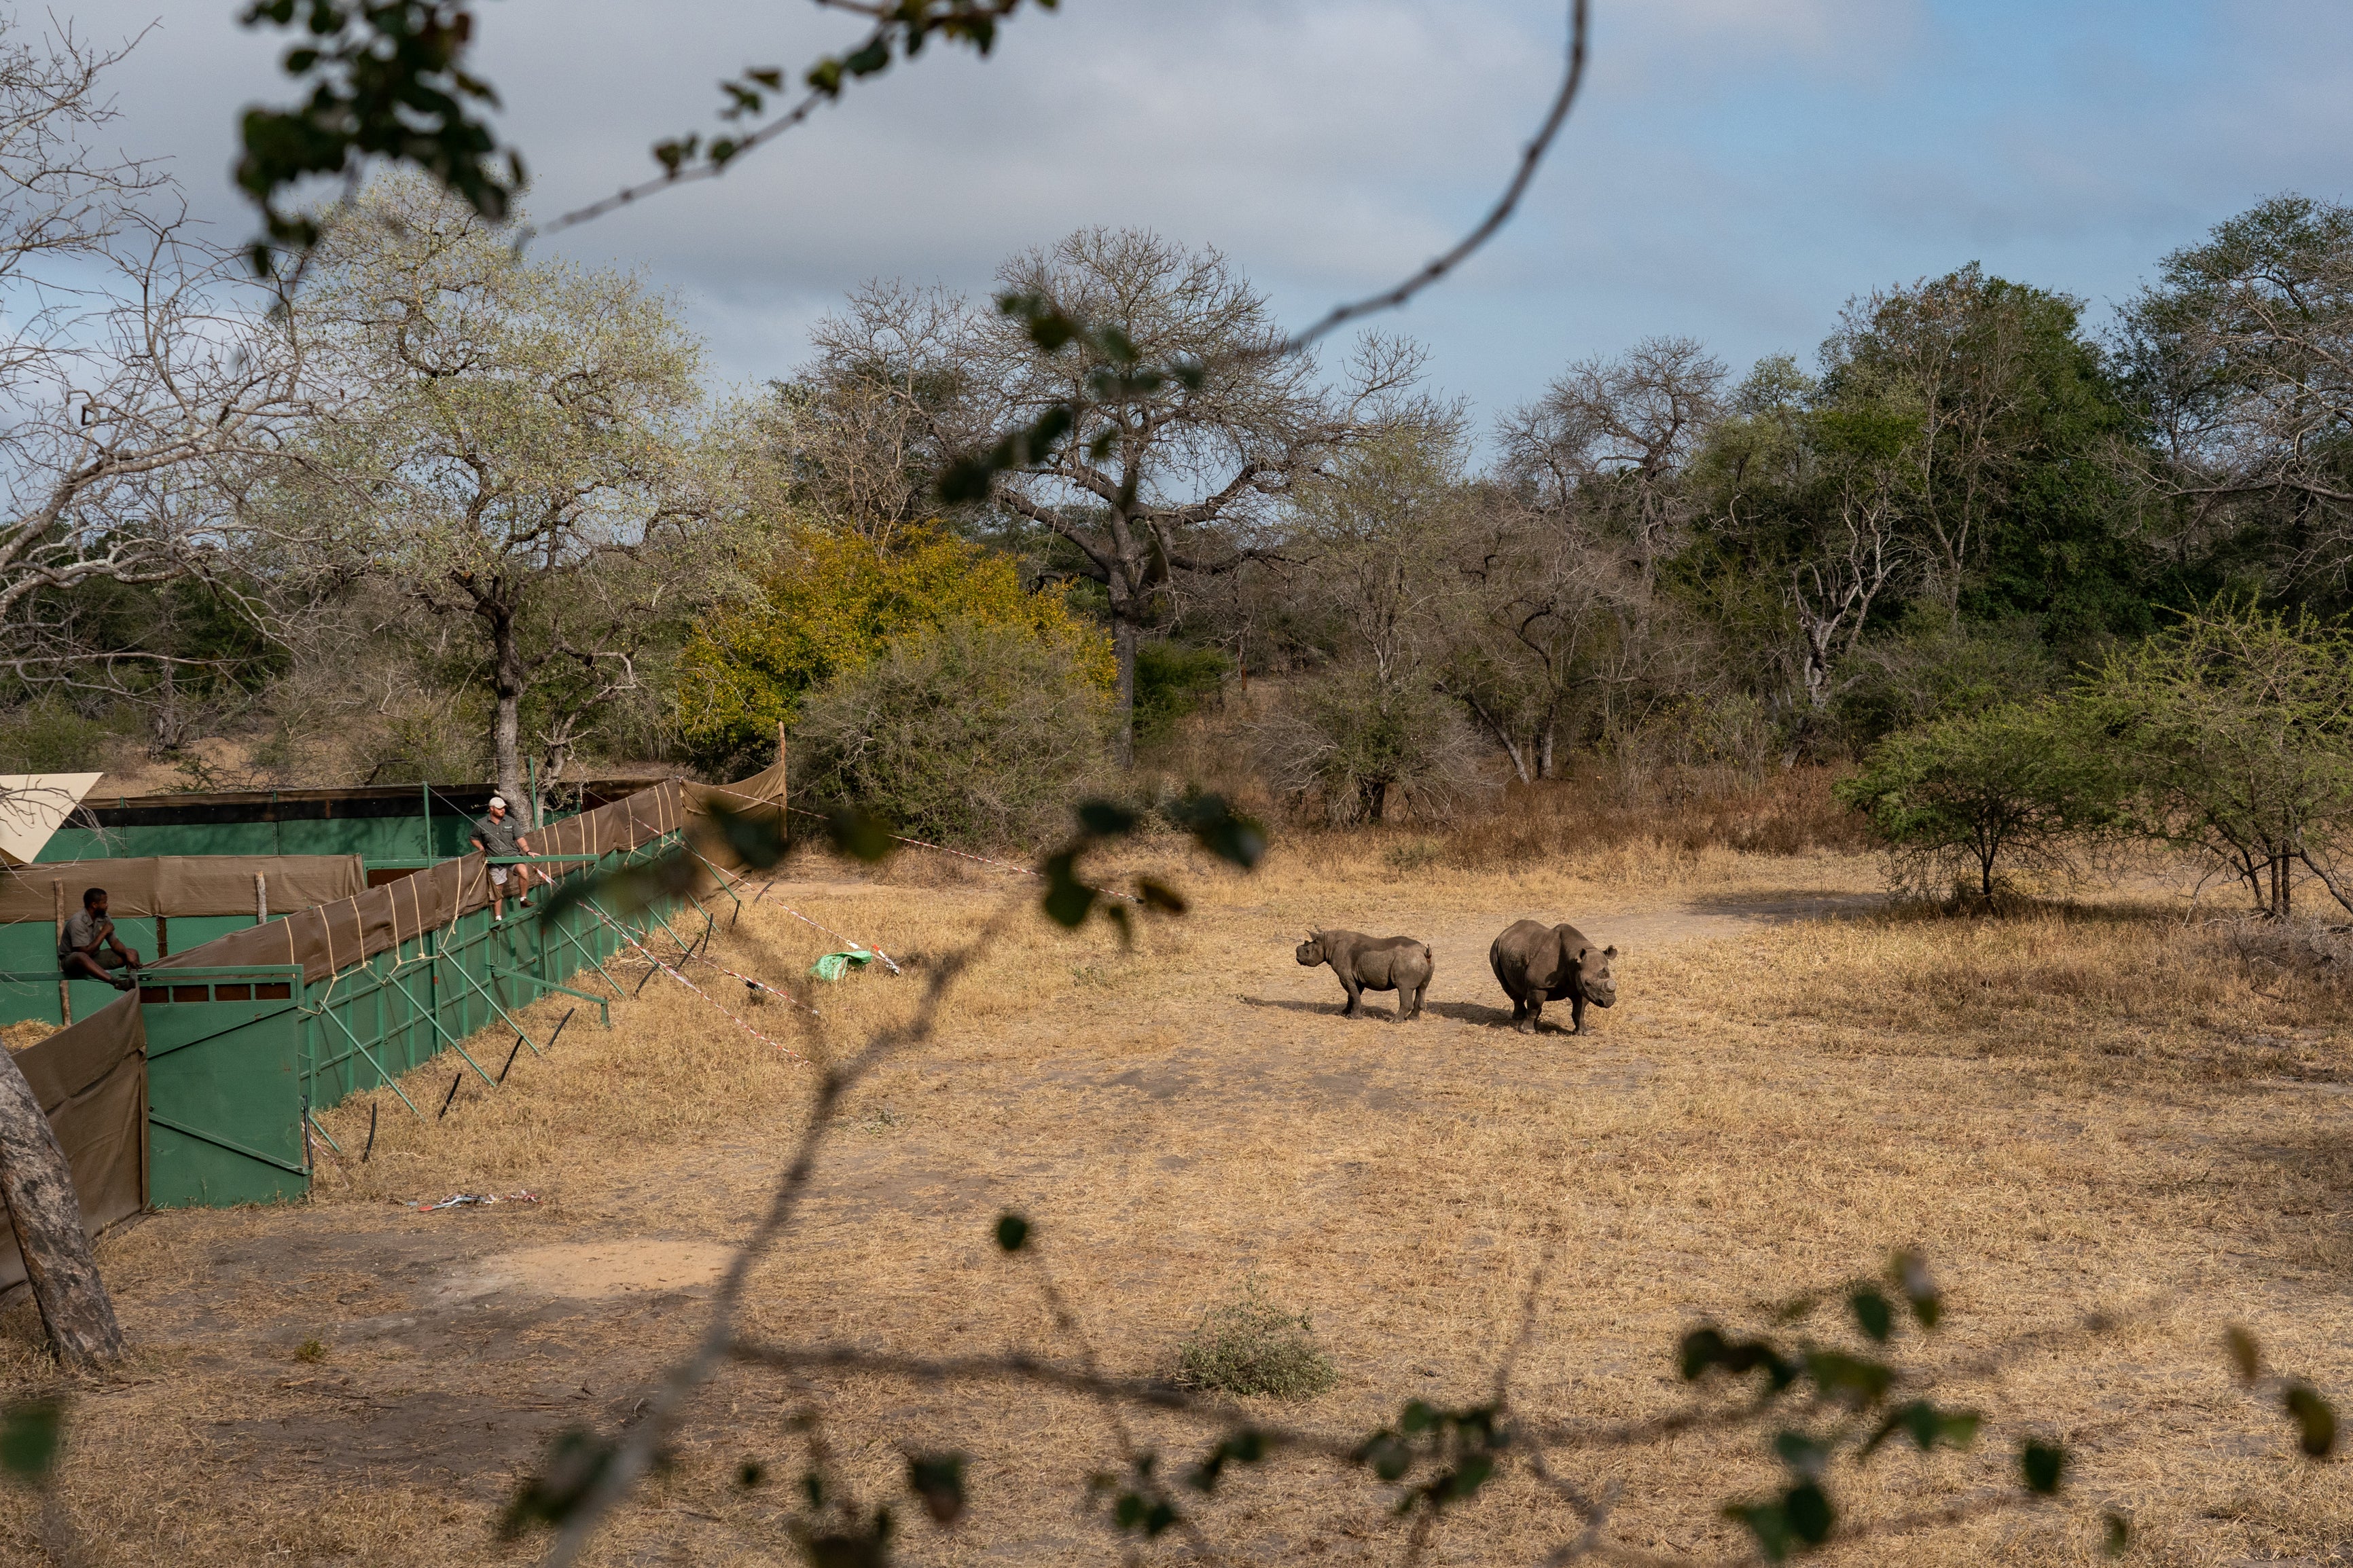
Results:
495 835
87 948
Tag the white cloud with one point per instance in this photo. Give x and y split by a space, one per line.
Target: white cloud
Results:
1737 168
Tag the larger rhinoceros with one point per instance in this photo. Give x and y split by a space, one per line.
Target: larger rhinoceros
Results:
1537 964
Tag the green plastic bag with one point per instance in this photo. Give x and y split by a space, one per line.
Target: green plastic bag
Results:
834 965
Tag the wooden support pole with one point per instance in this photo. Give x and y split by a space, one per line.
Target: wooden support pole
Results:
37 1186
260 900
64 991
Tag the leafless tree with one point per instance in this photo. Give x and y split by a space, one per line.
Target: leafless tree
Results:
863 433
2243 355
1613 436
1832 590
143 378
1164 473
1535 606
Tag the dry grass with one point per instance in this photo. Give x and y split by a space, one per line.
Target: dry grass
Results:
2106 1121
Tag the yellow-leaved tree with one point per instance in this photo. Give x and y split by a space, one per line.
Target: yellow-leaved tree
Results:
833 601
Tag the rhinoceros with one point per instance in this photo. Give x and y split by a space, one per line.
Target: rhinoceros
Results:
1536 964
1398 964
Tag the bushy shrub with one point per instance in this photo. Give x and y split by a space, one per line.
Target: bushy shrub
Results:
1250 1345
1960 802
45 737
830 603
972 734
1350 749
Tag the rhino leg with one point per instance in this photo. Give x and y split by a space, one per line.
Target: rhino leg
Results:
1355 1002
1577 1015
1535 1018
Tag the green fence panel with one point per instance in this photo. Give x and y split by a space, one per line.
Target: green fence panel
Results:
237 1057
225 1089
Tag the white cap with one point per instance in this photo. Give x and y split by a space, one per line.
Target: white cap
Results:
497 800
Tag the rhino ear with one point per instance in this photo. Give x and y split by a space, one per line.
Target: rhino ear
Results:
1610 951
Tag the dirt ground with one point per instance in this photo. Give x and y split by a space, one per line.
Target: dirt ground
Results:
2096 1108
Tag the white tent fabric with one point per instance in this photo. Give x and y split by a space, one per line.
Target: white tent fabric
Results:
33 806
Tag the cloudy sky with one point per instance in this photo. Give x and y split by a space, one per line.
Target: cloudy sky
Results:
1734 172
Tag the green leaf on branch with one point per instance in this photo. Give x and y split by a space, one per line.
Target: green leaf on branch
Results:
869 1547
1802 1516
1106 819
1909 1271
2246 1356
1806 1455
386 79
1067 900
1159 896
860 834
1873 1315
1705 1349
1852 1379
1219 828
30 1432
2316 1422
2042 1466
758 841
1388 1456
1149 1516
1246 1447
972 478
2115 1534
1927 1427
1012 1232
938 1479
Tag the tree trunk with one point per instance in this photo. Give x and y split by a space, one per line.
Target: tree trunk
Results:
1122 637
1512 748
507 676
37 1186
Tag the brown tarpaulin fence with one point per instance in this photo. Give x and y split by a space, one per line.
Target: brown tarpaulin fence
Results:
333 937
92 1080
139 889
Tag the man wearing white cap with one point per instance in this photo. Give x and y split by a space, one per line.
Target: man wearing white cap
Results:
494 834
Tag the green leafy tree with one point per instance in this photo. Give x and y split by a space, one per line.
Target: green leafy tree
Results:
2236 728
1965 799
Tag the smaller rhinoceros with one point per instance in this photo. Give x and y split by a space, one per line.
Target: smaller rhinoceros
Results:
1536 964
1364 963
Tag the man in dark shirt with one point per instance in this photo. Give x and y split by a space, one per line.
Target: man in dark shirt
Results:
87 947
496 834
